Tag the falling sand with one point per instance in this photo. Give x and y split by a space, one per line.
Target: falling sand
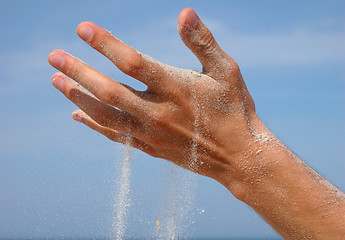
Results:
176 209
176 214
122 200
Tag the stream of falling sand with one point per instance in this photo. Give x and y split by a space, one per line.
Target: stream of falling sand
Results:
176 211
177 214
121 200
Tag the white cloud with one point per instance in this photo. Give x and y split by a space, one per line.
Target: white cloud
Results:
286 48
305 44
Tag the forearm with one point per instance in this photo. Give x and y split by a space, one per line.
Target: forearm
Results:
295 200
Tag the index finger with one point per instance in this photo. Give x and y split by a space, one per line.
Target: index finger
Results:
127 59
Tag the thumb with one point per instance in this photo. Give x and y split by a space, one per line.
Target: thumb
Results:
198 38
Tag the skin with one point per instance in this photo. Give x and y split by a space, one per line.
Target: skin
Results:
205 122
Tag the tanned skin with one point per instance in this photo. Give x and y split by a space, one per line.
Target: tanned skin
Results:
205 122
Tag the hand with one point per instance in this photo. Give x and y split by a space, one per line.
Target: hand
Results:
205 122
201 121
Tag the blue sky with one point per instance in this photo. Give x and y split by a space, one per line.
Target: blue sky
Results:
57 176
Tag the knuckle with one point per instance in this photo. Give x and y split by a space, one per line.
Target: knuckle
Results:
207 40
161 118
73 94
108 95
133 65
72 66
230 68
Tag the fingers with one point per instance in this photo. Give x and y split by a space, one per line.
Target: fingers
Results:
103 114
104 88
113 135
201 42
127 59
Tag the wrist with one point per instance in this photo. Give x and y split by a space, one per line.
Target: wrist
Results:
287 193
253 170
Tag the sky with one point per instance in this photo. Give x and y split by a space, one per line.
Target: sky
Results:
59 179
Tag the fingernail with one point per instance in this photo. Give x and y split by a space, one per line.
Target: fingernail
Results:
56 60
85 32
58 83
192 19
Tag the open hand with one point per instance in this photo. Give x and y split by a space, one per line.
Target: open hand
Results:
201 121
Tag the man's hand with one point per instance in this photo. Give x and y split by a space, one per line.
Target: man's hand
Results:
200 121
205 122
